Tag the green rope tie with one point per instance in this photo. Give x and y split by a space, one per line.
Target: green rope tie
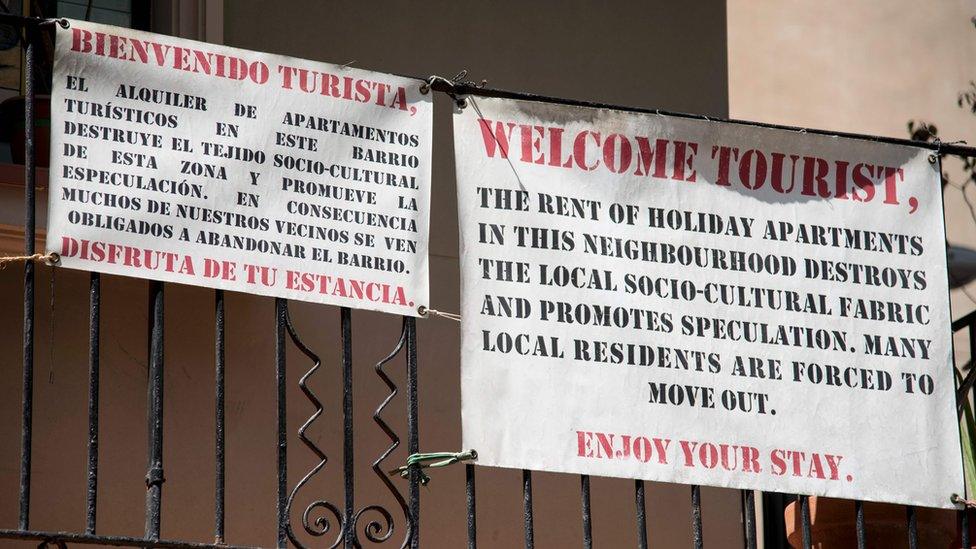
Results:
431 460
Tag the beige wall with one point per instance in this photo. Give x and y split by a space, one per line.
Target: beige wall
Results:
636 53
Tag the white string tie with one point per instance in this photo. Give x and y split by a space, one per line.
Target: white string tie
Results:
425 311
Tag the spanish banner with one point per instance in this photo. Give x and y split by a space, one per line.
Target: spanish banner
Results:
681 300
202 164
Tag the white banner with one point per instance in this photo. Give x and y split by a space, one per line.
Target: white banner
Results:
196 163
679 300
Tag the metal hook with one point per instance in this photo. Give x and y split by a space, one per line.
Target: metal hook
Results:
60 21
429 84
450 86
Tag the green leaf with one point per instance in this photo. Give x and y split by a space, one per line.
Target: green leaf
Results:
968 431
968 435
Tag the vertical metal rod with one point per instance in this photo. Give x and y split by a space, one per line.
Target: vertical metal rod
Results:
527 508
154 415
964 528
964 514
587 520
280 311
696 518
470 497
641 514
348 460
219 417
27 408
94 321
749 517
972 344
912 527
413 428
862 535
804 502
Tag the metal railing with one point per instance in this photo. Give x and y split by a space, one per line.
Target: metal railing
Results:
376 530
321 517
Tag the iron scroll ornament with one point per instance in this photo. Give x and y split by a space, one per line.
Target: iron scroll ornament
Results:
321 525
374 530
321 516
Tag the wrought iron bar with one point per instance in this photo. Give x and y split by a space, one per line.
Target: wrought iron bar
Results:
413 429
912 527
862 540
348 460
804 504
749 518
219 416
281 312
320 525
967 383
27 402
968 386
94 333
969 319
964 528
154 414
641 514
27 22
696 518
56 538
972 343
469 491
970 323
376 531
464 88
527 508
964 520
587 521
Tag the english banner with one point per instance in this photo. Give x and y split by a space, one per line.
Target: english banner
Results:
681 300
